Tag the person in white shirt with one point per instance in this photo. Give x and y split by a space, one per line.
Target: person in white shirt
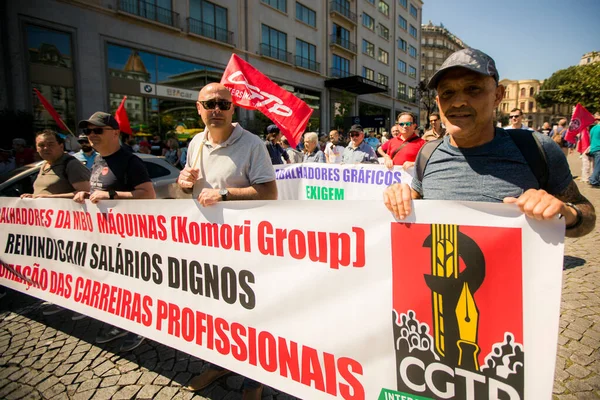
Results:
516 120
333 150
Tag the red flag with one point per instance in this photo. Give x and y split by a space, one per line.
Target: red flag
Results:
580 120
253 90
51 111
123 119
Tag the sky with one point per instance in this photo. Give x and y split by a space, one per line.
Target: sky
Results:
528 39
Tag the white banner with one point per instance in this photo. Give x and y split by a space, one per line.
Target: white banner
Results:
317 300
318 181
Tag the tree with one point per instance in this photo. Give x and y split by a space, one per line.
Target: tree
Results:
427 100
577 84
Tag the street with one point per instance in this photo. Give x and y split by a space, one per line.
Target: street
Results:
54 357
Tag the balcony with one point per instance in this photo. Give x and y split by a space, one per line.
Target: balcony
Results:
405 97
149 11
308 64
210 31
276 53
336 7
338 73
343 43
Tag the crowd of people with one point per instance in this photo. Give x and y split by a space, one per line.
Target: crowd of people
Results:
466 158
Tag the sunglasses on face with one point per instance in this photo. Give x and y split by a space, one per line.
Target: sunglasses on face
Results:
211 104
515 116
89 131
405 123
355 134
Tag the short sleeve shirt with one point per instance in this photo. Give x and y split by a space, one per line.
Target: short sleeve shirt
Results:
406 153
121 171
59 177
241 161
361 154
489 172
334 152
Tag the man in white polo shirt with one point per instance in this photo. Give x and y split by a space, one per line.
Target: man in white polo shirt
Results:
224 163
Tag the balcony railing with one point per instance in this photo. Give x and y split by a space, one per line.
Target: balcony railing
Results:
343 10
210 31
405 97
384 33
308 64
339 73
335 39
275 52
149 11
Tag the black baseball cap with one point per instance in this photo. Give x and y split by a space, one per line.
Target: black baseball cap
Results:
356 128
272 129
471 59
100 119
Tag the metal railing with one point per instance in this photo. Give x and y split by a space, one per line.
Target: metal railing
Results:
343 10
384 33
308 64
405 97
338 73
149 11
210 31
275 52
335 39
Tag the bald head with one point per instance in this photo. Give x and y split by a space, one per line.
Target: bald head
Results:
214 91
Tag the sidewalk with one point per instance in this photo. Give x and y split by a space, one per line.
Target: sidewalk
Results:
53 357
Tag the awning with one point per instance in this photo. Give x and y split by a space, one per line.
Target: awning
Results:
356 84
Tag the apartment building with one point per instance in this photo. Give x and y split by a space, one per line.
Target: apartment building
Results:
437 43
351 61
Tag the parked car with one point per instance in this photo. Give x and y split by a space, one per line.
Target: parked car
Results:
163 175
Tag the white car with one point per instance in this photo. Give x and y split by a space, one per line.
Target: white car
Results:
163 176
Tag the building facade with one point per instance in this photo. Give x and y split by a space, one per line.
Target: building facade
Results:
589 58
521 94
343 58
437 43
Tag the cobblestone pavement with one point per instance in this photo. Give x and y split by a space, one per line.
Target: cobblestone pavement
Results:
53 357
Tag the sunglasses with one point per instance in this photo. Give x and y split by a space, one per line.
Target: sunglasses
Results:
355 134
515 116
212 104
89 131
405 123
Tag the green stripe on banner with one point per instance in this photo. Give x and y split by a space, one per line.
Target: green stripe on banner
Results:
388 394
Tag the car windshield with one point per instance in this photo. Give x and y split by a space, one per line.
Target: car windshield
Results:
15 172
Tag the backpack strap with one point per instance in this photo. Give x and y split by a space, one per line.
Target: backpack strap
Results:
424 155
533 152
404 144
66 164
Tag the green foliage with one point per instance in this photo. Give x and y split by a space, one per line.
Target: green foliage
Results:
427 100
577 84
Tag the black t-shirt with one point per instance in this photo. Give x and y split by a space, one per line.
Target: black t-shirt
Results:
121 171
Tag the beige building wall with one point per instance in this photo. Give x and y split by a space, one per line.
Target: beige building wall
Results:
591 57
521 94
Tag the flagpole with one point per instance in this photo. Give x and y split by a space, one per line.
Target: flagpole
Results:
66 126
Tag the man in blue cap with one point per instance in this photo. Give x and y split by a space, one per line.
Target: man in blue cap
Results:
478 162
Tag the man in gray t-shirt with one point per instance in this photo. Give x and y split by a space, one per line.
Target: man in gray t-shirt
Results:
478 162
225 162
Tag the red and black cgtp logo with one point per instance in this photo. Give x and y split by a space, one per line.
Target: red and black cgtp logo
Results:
458 311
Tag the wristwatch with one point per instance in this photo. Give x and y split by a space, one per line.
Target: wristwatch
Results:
224 193
112 194
578 220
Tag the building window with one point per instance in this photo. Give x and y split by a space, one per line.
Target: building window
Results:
402 66
384 32
402 44
156 10
209 20
341 36
531 92
383 79
281 5
402 22
368 73
368 22
306 55
413 31
412 72
413 11
306 15
522 106
412 51
341 67
368 48
384 8
530 106
274 44
522 92
403 3
412 93
371 1
51 51
382 56
402 90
